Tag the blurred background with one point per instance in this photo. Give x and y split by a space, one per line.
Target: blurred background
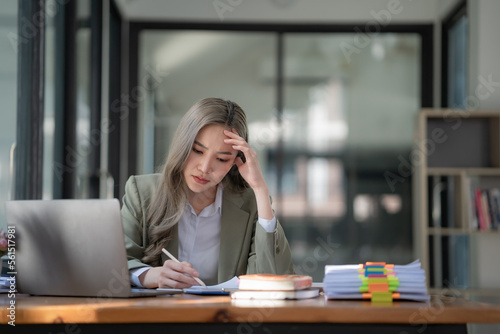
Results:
342 124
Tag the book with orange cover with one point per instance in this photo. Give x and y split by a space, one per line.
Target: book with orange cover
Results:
274 282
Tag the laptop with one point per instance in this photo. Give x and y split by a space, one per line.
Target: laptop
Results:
72 248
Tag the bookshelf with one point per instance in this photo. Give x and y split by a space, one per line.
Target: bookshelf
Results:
456 170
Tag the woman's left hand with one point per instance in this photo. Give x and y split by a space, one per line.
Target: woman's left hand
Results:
250 169
251 172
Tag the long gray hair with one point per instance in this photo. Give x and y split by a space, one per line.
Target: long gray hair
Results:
171 197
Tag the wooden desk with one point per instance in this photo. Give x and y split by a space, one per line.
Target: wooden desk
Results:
221 314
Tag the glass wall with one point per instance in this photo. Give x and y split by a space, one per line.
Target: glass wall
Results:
178 68
458 63
8 96
348 118
49 100
84 145
345 122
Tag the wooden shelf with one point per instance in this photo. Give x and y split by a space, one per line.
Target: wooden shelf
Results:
447 231
479 232
453 113
459 152
458 231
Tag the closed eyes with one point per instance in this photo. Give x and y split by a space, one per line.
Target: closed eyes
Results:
200 152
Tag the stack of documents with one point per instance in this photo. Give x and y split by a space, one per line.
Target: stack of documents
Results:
364 281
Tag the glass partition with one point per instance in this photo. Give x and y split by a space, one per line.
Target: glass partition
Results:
345 122
178 68
50 103
84 137
8 96
348 118
457 63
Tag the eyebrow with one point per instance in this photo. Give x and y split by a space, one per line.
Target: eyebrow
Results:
206 148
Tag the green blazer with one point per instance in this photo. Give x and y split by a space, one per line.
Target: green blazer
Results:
245 247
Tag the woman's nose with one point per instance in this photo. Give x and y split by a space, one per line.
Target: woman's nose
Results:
205 166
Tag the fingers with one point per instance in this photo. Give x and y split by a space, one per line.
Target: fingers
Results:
236 141
233 134
177 275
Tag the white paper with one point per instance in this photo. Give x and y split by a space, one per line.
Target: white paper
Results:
233 283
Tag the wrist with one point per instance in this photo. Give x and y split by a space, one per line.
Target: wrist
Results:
149 278
262 191
264 203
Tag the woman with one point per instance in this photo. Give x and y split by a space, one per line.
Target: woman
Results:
210 207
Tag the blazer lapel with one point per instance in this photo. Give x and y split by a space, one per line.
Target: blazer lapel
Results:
172 245
233 226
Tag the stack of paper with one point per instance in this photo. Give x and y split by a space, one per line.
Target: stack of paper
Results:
360 281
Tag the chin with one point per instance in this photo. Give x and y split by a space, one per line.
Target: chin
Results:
198 188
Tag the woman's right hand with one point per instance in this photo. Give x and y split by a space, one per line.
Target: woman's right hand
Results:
171 275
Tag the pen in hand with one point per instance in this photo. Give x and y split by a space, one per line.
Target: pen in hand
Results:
174 259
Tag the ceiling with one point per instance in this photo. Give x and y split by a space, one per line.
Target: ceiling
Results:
285 11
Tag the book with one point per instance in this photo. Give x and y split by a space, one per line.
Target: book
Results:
275 294
470 185
494 208
274 282
479 209
435 201
485 210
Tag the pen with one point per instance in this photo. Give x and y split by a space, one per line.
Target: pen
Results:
174 259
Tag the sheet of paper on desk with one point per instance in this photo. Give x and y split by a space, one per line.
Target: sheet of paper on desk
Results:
220 289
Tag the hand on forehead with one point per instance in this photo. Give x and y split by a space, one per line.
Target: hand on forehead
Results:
211 138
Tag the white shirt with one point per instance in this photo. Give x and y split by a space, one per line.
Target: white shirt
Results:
199 240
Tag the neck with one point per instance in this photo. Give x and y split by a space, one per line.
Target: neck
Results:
202 200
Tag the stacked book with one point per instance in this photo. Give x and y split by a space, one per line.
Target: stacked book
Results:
376 281
269 286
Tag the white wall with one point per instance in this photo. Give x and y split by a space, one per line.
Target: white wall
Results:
444 7
484 53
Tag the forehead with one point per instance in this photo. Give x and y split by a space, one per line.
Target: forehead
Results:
212 137
213 130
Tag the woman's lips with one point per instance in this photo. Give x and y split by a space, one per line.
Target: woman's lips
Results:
200 180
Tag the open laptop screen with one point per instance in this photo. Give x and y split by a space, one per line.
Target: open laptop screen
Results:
69 247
